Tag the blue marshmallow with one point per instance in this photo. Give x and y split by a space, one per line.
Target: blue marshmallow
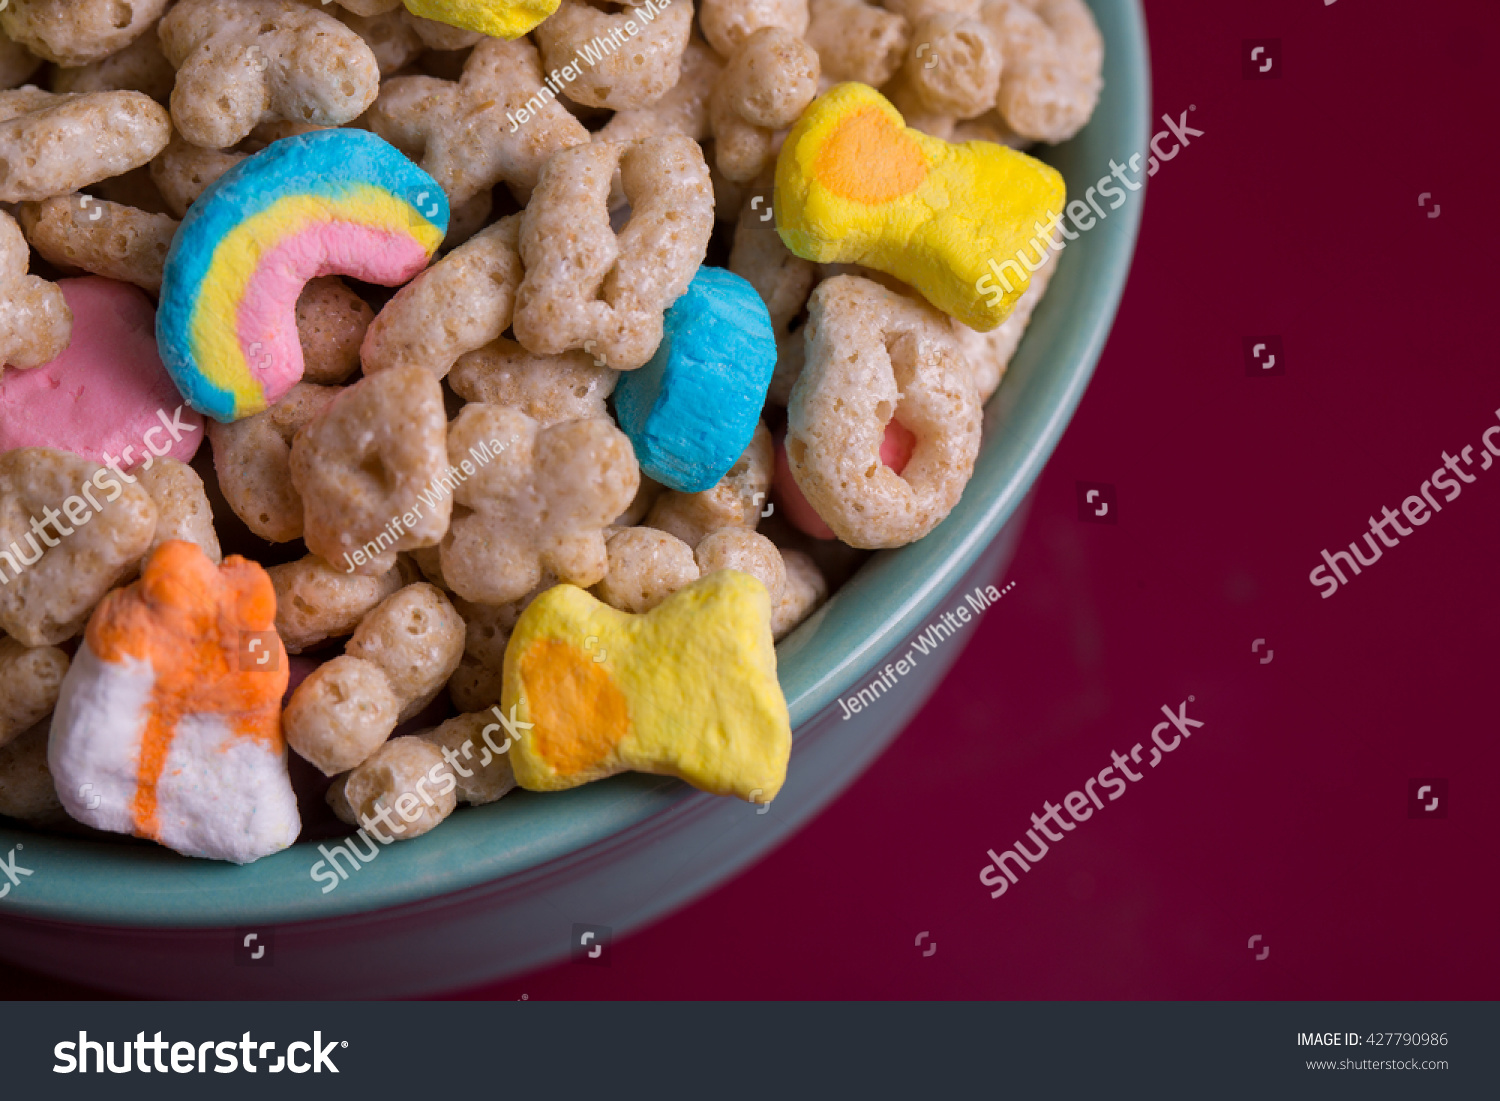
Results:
691 410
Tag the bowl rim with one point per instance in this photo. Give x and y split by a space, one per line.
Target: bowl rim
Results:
123 884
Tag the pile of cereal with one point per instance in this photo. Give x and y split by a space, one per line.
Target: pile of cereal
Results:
556 357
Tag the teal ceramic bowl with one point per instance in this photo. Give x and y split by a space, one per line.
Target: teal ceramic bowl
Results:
497 890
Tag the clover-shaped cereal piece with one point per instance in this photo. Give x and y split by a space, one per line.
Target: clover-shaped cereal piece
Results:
388 795
29 680
76 32
252 458
35 321
1053 55
369 469
791 578
736 502
856 40
548 389
480 765
584 286
54 144
463 133
645 567
873 357
727 23
541 503
462 302
182 508
639 71
104 238
315 602
395 665
768 82
55 578
244 62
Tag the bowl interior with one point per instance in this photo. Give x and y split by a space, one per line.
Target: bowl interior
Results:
104 883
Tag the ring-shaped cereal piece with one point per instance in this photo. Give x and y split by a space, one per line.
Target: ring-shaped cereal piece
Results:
874 356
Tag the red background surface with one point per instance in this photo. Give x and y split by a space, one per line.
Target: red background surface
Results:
1286 816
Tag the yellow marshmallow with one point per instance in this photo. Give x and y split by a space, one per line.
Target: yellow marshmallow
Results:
688 689
854 184
507 19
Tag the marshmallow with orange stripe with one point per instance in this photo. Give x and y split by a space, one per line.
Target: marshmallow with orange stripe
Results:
688 689
168 723
855 184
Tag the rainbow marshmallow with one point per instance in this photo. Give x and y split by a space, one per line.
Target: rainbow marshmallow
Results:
332 202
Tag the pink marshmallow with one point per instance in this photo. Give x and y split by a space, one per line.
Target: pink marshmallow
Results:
108 391
895 451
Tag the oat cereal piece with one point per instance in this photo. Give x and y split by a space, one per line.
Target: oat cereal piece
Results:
874 356
51 145
771 79
462 302
805 589
959 72
243 62
638 72
461 131
736 502
369 7
183 171
729 196
548 389
17 63
857 41
1053 56
77 32
645 567
641 504
340 714
35 321
727 23
746 551
476 683
402 791
540 503
331 324
362 464
26 788
782 279
252 458
441 36
417 638
429 566
389 34
54 583
477 750
104 238
29 679
315 602
182 509
682 110
988 354
139 67
587 288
